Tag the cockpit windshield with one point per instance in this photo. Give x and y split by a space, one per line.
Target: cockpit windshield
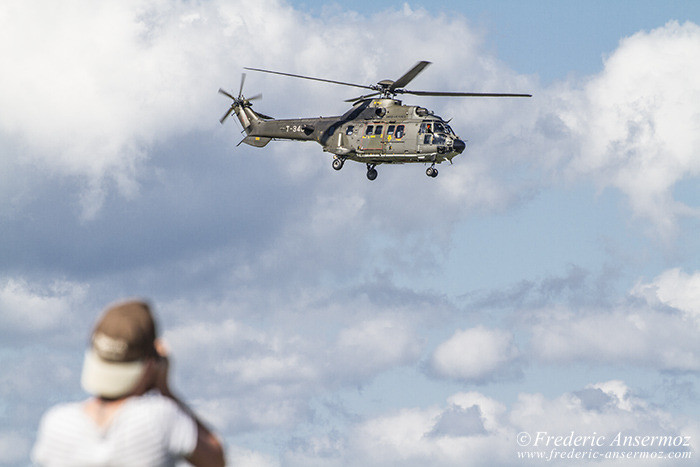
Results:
432 126
441 127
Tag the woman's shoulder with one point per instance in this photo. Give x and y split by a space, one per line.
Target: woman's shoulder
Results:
154 403
64 411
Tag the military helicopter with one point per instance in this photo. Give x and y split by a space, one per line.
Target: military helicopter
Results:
378 129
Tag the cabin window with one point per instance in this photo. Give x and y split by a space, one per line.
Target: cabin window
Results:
390 130
399 132
349 130
426 139
369 129
426 127
378 129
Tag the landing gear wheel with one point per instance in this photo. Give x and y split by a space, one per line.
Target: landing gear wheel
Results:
431 172
338 163
371 172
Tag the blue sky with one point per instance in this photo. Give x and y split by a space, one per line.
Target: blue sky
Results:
549 38
547 281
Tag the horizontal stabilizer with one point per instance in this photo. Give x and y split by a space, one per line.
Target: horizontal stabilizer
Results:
257 141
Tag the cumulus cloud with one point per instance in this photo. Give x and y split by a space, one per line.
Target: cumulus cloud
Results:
404 437
259 357
476 355
236 455
673 288
375 345
637 122
647 339
472 427
34 308
94 85
660 333
614 413
272 374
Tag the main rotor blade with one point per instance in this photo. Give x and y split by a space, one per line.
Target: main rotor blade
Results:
356 99
221 91
240 91
409 75
463 94
222 119
310 77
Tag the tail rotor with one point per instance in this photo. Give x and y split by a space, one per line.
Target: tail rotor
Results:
240 101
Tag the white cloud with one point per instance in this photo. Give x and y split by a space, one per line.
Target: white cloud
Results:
404 438
94 85
606 407
637 122
246 357
265 408
258 357
491 410
642 336
673 288
414 436
236 455
475 355
273 374
261 370
375 345
607 410
34 308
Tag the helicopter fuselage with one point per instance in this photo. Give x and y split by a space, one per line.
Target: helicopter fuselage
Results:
374 131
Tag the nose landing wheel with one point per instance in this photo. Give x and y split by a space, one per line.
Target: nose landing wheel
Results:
431 172
338 163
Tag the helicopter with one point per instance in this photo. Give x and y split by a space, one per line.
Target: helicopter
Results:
378 129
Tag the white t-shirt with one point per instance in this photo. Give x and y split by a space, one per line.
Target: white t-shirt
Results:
149 430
